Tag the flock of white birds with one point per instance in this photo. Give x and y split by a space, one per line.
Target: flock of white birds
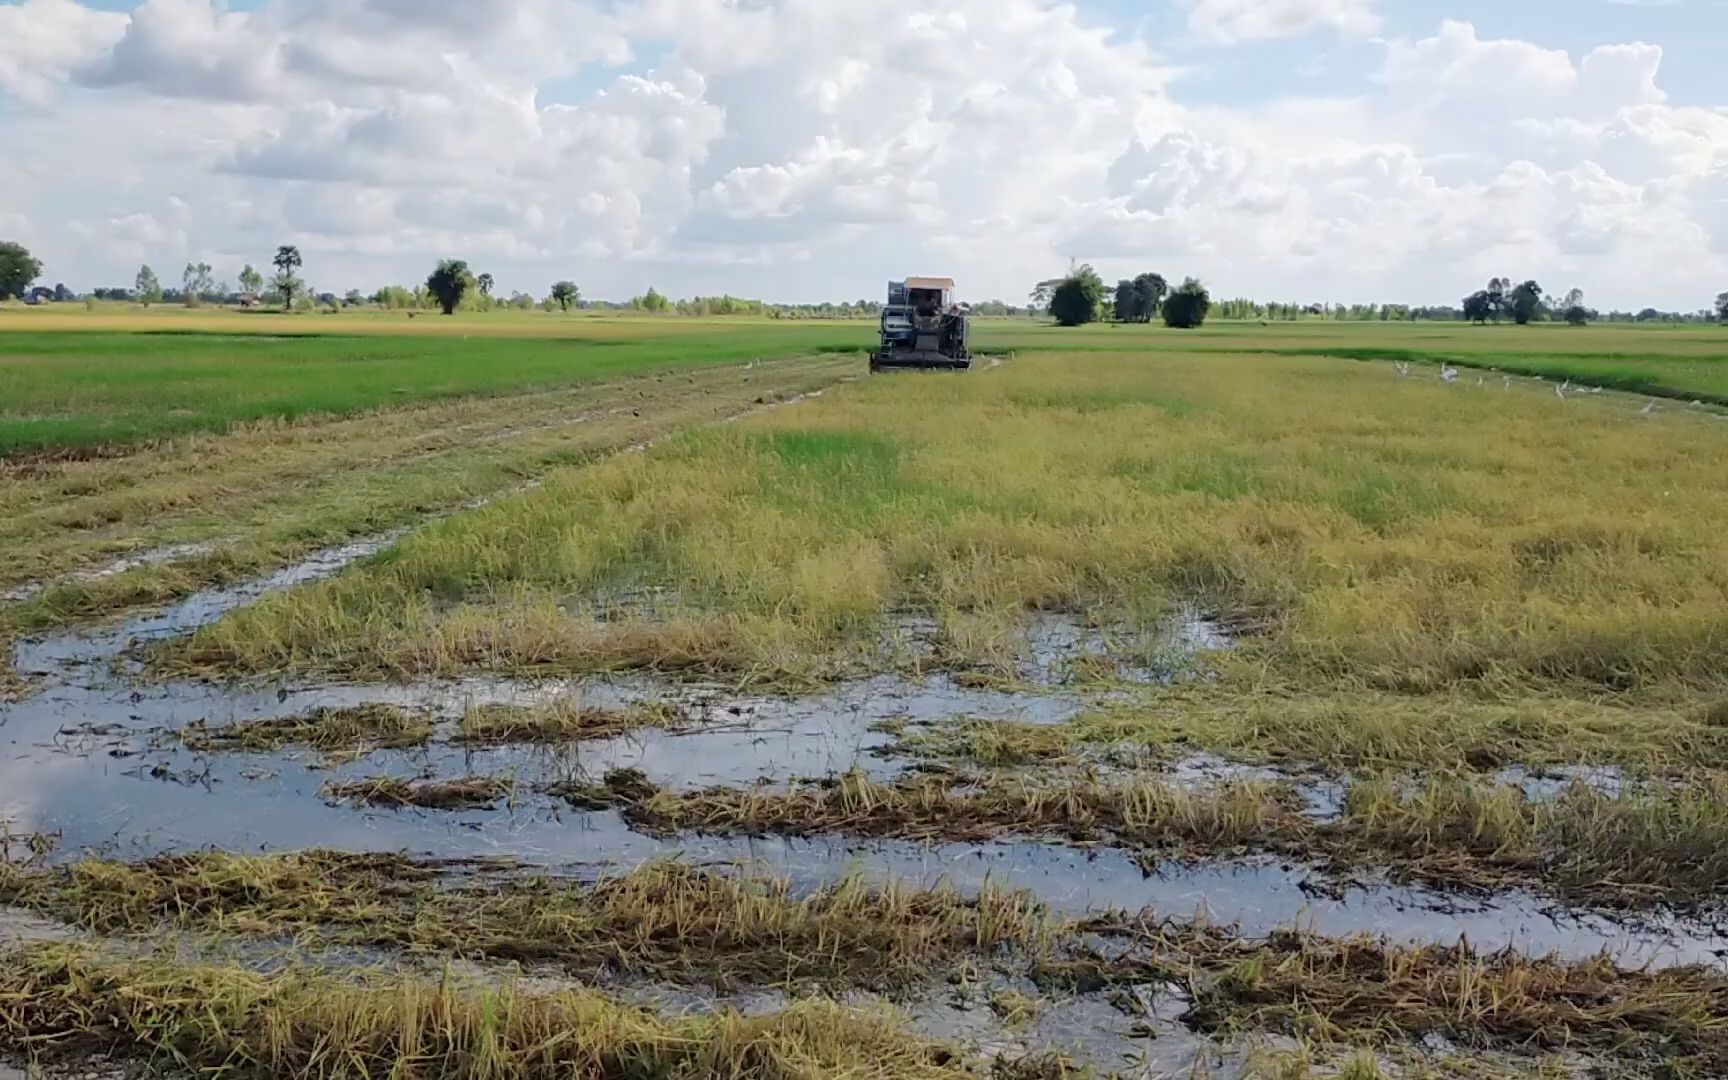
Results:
1450 375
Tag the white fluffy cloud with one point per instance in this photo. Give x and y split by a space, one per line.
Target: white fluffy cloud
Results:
708 145
1252 20
42 41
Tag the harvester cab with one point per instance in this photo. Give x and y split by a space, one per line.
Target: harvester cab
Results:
923 327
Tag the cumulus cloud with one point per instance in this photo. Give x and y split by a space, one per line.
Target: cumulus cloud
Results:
1456 67
189 48
710 142
1255 20
42 41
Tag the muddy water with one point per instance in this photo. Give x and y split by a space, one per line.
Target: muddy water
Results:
84 759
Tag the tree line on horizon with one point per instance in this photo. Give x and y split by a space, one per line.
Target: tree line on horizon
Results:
1082 297
1078 298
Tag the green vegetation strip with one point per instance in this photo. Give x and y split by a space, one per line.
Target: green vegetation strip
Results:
362 728
663 920
1696 379
1633 848
1381 535
74 393
267 496
1344 731
72 1002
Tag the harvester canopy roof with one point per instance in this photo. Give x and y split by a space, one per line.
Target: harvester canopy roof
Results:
946 284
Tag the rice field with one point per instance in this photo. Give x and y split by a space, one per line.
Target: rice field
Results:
520 696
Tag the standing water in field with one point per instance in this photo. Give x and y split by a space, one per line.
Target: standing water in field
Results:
93 759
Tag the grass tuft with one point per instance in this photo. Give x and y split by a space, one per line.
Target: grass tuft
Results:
345 728
467 793
562 722
68 1000
662 920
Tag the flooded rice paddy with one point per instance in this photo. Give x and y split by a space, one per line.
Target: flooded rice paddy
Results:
90 759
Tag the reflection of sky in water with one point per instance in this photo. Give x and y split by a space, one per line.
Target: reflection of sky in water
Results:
76 761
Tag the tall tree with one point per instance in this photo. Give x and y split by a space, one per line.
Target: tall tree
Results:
1479 307
1722 308
565 293
1186 308
1077 299
1125 305
18 268
287 263
1498 299
146 286
449 283
196 282
1042 294
1149 292
251 281
484 283
1526 303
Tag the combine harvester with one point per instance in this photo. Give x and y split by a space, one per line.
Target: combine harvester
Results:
923 328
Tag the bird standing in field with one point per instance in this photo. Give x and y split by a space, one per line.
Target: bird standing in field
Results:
1448 373
1648 409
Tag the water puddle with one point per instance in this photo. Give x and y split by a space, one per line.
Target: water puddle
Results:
1061 651
83 760
155 557
22 928
85 757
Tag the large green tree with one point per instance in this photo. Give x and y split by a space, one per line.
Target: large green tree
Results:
197 282
565 293
1123 304
449 283
287 282
1075 302
1526 303
1149 292
18 268
251 281
1187 307
1137 299
147 287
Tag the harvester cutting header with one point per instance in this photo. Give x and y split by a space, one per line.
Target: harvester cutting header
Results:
923 327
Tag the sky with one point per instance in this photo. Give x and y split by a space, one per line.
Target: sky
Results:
807 150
